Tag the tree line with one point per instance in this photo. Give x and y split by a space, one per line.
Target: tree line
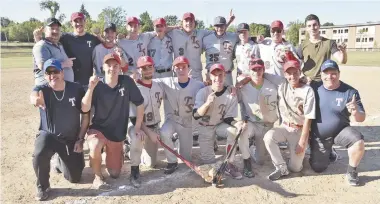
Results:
23 32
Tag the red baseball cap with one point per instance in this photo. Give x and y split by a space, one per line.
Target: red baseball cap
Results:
180 60
77 15
217 66
133 20
256 63
160 21
188 15
277 24
144 61
111 56
291 64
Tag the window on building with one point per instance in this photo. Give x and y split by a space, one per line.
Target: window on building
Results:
366 29
338 41
345 30
303 32
323 32
364 40
370 39
338 31
334 31
357 39
345 40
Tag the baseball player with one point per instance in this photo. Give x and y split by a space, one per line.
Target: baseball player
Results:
337 102
215 109
296 104
153 96
258 102
188 42
62 127
245 49
273 50
179 101
111 98
161 50
219 48
107 47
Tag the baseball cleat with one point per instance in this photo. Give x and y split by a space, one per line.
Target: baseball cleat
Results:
248 169
135 177
170 168
233 171
352 178
42 195
278 173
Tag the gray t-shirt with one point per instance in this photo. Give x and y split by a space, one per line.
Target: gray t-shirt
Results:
112 107
62 117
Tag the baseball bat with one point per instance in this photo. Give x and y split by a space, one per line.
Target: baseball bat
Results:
219 173
188 163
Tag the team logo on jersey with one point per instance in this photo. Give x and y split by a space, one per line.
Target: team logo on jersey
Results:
139 45
222 109
338 101
72 100
89 43
195 42
188 104
227 46
121 90
157 95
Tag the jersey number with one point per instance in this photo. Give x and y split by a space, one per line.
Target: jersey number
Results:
152 52
214 57
148 117
181 51
130 61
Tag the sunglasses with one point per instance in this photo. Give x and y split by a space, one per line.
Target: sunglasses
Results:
259 62
276 30
257 69
52 72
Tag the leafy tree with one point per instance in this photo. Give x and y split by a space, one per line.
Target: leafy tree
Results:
328 24
199 24
5 21
171 20
85 12
259 29
231 28
146 22
292 35
52 6
34 20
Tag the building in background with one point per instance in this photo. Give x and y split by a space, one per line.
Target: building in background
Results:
364 36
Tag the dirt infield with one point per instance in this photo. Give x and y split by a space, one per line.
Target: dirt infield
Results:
19 123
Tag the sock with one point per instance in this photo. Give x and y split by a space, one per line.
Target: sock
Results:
351 169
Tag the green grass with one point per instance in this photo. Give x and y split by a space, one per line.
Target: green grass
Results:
363 58
16 62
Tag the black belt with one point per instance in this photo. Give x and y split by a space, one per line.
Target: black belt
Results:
152 126
163 70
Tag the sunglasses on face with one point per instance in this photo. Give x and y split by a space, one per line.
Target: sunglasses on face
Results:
276 30
257 69
52 72
259 62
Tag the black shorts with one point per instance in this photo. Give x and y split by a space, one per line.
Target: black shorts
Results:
320 148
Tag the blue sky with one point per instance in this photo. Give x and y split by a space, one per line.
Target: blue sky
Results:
338 12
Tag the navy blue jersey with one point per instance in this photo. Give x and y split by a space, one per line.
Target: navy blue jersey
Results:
62 113
332 115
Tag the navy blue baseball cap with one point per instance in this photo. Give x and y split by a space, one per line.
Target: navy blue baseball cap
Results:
52 63
329 64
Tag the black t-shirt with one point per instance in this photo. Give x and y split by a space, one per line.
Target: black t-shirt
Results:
62 117
81 48
331 112
112 107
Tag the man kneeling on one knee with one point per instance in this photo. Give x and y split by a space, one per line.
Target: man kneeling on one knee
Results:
337 101
296 104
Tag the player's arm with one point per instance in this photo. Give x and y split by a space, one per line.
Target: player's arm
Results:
171 28
89 95
202 110
137 99
40 55
96 62
339 52
231 19
37 97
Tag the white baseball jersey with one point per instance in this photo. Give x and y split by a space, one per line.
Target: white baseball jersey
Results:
98 55
220 49
161 50
269 54
296 104
136 48
244 53
260 105
178 101
152 103
224 106
189 46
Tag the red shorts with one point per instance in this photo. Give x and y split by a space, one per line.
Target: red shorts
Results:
114 150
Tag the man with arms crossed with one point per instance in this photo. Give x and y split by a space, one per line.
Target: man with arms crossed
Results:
111 98
215 109
317 49
296 104
179 101
62 127
337 101
258 102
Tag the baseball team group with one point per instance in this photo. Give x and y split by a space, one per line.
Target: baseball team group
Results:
108 89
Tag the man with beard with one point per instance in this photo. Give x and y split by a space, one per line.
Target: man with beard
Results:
317 49
161 50
215 109
219 48
337 101
108 46
49 47
296 104
188 41
245 49
111 98
272 51
62 127
258 102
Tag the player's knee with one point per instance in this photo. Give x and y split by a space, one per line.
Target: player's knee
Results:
268 137
114 173
358 146
95 147
318 166
74 178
